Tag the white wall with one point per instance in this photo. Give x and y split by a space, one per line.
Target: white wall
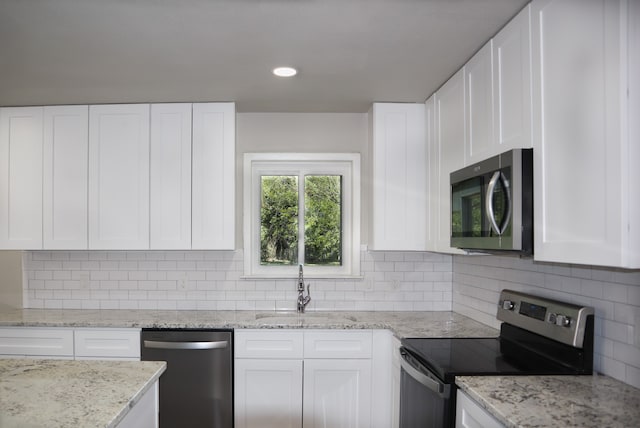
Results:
11 278
613 293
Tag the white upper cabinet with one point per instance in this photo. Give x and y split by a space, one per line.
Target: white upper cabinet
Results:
448 156
512 84
170 168
119 176
21 178
586 155
213 176
434 178
478 80
498 93
400 177
65 168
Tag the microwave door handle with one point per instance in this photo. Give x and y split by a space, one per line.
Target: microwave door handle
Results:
424 380
488 203
507 191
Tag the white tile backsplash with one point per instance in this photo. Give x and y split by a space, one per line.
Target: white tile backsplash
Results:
392 281
613 293
212 280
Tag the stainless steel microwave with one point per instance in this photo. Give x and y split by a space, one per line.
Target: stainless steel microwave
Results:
492 204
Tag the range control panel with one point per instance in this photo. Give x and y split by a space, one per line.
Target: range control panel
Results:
560 321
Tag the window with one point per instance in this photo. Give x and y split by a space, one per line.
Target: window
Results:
302 209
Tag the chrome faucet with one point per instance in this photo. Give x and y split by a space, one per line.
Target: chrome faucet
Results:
303 300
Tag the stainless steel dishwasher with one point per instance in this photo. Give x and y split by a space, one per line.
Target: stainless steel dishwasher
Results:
196 390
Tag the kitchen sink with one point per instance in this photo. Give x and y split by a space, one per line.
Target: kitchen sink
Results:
303 318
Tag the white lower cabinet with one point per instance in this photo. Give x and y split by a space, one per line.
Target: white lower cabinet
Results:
107 344
21 342
70 343
268 393
337 393
469 414
145 413
313 378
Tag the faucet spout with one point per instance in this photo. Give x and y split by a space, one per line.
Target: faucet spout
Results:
303 300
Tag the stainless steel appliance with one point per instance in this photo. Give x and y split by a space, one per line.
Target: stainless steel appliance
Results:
196 390
538 336
492 204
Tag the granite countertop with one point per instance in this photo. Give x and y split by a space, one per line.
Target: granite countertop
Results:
402 324
58 393
554 401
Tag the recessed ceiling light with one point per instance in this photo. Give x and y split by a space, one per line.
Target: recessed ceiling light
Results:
285 71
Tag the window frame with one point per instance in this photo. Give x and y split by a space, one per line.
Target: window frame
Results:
347 165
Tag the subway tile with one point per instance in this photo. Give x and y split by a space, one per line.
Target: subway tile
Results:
108 265
427 281
632 376
148 304
167 305
154 275
137 275
404 266
117 275
128 304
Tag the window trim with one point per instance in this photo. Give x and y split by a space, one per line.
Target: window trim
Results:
257 164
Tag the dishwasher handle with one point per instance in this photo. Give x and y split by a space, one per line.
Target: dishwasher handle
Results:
440 388
186 345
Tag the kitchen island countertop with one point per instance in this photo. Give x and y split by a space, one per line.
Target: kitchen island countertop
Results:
402 324
58 393
555 401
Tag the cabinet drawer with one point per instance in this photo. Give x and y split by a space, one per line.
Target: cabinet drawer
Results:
268 343
115 343
337 344
45 342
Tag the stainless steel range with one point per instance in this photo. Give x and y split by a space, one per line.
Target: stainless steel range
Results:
538 336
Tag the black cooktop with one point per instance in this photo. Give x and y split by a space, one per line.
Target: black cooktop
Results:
451 357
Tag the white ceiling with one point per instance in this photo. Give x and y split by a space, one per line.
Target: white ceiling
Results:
349 53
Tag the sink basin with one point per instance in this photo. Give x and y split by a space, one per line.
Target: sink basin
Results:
305 318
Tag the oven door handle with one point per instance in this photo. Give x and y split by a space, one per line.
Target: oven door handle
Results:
436 386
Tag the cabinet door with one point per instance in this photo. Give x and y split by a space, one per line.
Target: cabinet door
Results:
581 214
399 194
145 412
470 415
170 166
433 179
21 178
268 393
337 393
448 154
109 343
65 168
36 342
512 84
213 193
478 79
119 176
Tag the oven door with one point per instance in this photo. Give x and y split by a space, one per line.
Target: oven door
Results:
425 401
